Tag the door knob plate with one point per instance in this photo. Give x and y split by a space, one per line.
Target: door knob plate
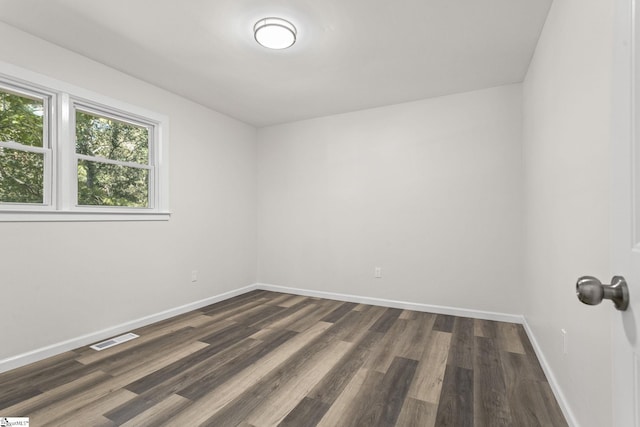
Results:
621 297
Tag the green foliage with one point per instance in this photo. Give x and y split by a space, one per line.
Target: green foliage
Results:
99 184
103 184
21 172
102 137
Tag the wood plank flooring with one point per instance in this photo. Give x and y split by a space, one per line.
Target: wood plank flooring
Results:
269 359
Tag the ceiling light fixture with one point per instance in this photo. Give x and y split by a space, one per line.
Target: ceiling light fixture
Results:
275 33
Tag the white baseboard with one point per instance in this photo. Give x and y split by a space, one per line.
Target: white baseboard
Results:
54 349
551 379
453 311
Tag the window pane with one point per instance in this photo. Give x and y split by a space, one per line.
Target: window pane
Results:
102 137
102 184
21 119
21 176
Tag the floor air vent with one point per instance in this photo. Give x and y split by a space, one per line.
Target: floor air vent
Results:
114 341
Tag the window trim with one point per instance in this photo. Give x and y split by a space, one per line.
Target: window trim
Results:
110 113
48 140
62 174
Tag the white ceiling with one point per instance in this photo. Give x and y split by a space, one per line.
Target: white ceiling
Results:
350 54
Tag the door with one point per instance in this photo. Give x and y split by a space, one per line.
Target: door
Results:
625 211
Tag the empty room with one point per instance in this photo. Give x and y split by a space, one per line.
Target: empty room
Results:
319 213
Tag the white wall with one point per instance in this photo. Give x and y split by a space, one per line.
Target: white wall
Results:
62 280
430 191
567 97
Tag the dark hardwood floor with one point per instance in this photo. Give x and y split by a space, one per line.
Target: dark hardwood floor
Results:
271 359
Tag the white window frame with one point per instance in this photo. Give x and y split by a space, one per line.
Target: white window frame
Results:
48 138
60 180
101 111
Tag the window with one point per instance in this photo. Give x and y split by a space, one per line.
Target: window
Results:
113 160
25 153
68 154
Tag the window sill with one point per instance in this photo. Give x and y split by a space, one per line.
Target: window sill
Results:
78 216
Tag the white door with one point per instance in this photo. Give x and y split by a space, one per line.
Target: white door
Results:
625 210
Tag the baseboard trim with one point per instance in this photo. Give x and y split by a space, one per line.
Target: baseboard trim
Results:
54 349
551 378
438 309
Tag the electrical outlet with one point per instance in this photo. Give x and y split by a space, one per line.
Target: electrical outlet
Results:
194 276
565 343
377 272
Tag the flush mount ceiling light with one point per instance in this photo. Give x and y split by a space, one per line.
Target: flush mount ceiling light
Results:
275 33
